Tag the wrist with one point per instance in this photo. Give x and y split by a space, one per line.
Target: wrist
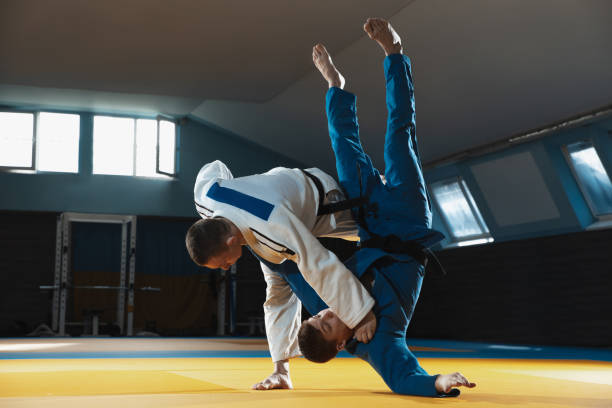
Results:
281 367
438 384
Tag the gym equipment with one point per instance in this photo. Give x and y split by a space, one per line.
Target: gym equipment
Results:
61 284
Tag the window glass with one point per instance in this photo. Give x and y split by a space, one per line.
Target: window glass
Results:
167 146
146 147
113 146
592 176
459 210
57 142
16 138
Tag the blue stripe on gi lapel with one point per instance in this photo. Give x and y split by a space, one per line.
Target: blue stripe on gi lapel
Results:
259 208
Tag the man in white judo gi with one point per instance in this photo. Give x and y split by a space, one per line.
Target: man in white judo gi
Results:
276 215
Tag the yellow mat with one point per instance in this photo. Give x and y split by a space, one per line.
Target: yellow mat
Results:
220 382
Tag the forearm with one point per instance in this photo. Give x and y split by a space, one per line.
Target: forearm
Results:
335 284
282 316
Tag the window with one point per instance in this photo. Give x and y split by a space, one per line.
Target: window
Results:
39 141
460 213
57 142
166 141
16 140
591 176
134 147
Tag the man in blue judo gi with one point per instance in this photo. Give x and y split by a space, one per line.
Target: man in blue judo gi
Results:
395 230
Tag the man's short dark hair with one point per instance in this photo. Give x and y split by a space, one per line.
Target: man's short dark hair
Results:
313 346
206 238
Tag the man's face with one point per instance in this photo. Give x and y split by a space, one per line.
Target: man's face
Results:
227 257
331 327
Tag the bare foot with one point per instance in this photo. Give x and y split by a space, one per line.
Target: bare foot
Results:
381 31
324 63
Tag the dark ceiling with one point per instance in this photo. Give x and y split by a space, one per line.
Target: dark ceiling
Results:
483 69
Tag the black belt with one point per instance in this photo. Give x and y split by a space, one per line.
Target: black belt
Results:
394 245
332 207
391 243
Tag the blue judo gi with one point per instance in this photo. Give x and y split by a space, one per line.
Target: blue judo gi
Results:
398 207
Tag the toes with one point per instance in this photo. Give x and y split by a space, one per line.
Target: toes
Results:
319 49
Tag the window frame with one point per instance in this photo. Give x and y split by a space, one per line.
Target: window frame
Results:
35 115
161 118
158 118
585 195
467 195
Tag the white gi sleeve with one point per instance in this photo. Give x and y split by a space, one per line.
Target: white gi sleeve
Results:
283 316
322 269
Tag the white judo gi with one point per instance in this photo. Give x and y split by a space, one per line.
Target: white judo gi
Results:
276 212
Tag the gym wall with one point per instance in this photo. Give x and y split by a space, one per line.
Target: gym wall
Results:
86 192
30 204
552 290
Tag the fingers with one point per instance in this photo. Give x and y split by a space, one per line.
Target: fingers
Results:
365 333
273 382
259 386
368 334
466 383
266 384
460 380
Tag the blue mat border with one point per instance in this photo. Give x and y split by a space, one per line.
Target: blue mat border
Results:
456 350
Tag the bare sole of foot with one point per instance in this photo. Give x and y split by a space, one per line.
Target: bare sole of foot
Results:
324 64
381 31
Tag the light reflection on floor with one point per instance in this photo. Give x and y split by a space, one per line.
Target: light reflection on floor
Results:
76 379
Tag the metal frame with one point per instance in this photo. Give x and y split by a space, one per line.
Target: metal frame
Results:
221 304
61 283
232 299
135 147
226 301
131 278
529 136
585 194
471 203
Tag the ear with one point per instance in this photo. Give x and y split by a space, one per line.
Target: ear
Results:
231 240
340 346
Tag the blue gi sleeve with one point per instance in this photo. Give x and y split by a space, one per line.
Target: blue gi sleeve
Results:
399 368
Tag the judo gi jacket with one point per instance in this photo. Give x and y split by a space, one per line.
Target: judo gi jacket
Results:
276 212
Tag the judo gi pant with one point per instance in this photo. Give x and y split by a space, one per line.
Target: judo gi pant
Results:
401 206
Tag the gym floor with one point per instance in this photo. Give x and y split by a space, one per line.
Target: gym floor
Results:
218 372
